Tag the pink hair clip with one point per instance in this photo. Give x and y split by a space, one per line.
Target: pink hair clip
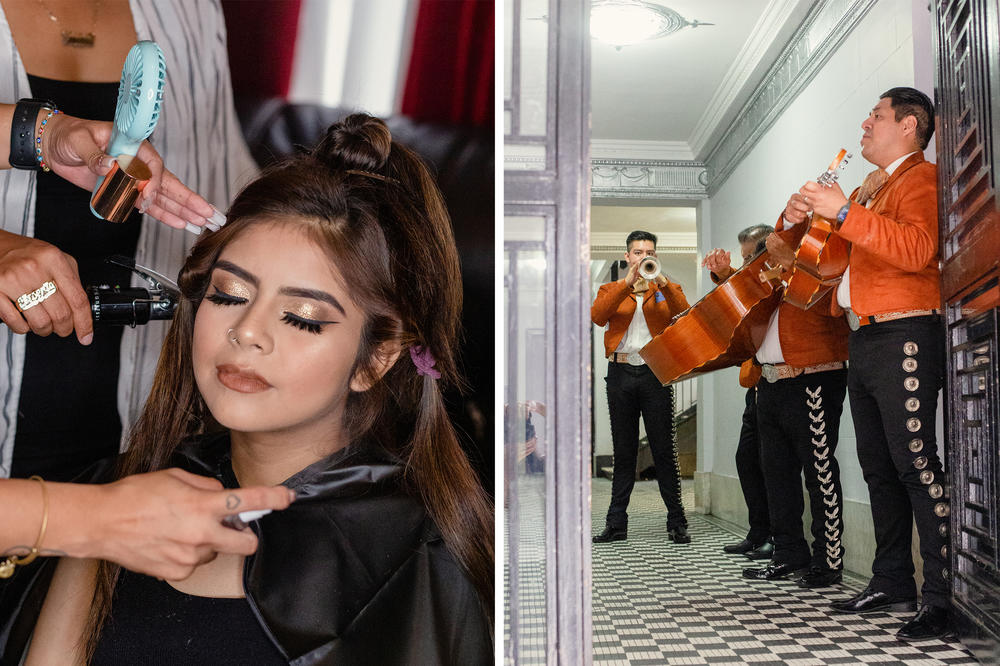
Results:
424 360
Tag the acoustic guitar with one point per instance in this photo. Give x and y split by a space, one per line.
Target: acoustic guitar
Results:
821 258
722 329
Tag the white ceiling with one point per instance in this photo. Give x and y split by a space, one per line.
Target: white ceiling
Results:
677 93
672 98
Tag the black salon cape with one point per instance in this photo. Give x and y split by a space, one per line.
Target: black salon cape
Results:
353 572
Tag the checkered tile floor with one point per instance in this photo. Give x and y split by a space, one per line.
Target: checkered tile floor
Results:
655 602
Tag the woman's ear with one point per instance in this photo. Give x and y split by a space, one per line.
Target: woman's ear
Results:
382 360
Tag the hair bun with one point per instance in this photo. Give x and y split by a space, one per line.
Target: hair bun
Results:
359 141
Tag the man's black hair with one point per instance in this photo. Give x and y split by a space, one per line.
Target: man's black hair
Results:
912 102
639 236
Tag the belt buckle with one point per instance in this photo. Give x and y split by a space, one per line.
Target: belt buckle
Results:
853 321
769 372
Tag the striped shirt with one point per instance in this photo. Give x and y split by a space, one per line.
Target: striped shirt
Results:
199 137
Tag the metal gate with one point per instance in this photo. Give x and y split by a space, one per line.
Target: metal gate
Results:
968 86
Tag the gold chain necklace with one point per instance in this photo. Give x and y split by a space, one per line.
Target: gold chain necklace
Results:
75 39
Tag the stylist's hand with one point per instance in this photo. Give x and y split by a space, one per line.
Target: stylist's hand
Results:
27 263
74 149
166 523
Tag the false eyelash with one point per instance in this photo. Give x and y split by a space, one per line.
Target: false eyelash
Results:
302 324
222 298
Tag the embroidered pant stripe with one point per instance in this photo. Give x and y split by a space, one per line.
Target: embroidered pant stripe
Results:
824 475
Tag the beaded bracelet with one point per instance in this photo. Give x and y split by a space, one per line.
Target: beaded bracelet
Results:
38 141
22 132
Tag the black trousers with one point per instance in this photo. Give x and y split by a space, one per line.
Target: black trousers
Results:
634 391
896 372
799 422
751 475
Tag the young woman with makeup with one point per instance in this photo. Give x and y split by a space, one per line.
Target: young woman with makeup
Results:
316 330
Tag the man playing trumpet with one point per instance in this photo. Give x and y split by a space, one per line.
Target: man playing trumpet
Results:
634 309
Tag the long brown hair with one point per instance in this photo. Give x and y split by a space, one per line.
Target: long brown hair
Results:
374 207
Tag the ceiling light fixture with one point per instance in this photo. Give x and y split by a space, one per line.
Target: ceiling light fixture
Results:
625 22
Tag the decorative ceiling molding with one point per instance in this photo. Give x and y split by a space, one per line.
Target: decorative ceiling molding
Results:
660 249
612 241
647 179
747 60
523 156
824 28
629 149
827 25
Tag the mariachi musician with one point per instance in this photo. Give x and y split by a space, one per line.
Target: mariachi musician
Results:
635 309
757 545
891 295
799 403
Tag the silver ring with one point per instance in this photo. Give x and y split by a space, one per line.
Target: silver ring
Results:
33 298
231 334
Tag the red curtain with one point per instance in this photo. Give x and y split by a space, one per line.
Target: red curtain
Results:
451 75
261 45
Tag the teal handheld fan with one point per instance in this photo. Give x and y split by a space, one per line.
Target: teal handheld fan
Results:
140 94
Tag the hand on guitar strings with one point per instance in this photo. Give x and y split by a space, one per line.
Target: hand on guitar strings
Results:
780 251
825 201
797 209
718 261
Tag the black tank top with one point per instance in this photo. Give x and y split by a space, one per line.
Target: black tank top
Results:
67 415
151 623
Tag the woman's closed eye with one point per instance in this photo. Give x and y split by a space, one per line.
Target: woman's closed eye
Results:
220 297
302 323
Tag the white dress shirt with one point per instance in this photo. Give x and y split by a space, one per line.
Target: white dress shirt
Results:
637 336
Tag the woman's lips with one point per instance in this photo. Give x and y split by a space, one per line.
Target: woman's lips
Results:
244 381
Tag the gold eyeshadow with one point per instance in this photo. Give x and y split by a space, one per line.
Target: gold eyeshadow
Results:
306 311
233 288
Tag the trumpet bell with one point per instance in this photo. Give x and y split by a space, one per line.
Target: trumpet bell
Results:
649 268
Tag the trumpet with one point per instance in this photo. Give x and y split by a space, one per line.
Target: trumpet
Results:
649 268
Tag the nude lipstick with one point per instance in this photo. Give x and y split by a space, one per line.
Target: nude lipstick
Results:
241 379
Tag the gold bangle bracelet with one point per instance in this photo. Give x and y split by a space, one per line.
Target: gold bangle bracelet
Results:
8 564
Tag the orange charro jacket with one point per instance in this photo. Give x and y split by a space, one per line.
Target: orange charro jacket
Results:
813 336
894 244
749 374
615 306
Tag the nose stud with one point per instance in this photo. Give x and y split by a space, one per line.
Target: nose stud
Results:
231 334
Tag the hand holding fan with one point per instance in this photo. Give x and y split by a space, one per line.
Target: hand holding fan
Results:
140 94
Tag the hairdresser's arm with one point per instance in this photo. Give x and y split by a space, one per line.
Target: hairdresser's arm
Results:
163 523
74 149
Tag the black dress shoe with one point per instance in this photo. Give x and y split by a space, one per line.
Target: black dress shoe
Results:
772 571
930 622
744 546
821 577
870 601
762 552
679 534
611 534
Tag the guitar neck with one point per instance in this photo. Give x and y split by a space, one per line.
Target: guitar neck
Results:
829 177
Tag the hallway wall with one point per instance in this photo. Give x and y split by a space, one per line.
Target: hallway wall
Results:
879 54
